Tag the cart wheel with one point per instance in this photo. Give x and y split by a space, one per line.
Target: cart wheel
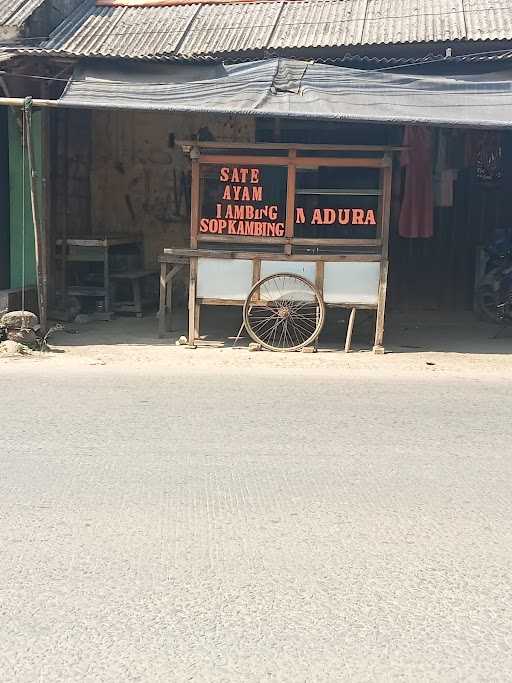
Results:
284 312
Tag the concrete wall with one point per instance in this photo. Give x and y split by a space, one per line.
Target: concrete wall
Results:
136 165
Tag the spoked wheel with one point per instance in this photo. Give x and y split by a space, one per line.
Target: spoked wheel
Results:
487 304
284 312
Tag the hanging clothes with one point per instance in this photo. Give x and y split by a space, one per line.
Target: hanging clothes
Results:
417 212
444 175
485 156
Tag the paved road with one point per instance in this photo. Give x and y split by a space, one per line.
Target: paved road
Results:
222 527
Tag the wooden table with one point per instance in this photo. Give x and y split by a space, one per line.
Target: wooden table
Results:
94 250
136 280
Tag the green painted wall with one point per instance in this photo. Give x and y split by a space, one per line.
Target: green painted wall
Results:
20 197
5 223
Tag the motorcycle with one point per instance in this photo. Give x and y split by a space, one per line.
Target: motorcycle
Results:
493 295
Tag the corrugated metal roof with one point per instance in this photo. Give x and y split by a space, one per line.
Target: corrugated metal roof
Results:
413 21
122 31
199 31
488 19
230 28
320 23
16 12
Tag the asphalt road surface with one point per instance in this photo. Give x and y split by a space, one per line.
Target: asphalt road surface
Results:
280 526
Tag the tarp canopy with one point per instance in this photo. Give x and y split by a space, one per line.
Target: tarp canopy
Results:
291 88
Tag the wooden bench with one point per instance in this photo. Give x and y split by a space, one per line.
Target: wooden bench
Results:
136 279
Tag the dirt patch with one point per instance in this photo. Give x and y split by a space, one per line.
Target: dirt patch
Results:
458 346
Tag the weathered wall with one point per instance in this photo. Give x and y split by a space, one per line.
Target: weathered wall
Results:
71 172
138 169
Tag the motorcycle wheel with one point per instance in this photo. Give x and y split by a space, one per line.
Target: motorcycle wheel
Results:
486 303
487 306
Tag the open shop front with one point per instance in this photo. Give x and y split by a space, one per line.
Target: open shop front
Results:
444 197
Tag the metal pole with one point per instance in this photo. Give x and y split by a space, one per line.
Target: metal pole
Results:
20 102
39 237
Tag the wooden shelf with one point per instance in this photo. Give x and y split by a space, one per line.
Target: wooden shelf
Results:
98 241
344 193
80 290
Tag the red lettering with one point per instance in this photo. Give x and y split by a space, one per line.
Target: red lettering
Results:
299 216
370 218
317 217
329 216
357 217
343 216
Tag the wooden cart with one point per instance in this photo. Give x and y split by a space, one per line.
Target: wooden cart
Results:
227 255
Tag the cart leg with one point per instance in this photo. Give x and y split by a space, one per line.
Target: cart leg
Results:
168 305
381 309
162 323
197 316
192 303
106 279
168 283
350 330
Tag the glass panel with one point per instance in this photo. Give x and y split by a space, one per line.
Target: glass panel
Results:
243 201
337 203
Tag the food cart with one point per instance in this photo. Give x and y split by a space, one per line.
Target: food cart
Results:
317 214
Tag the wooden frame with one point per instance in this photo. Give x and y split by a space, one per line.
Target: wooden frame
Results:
292 161
287 248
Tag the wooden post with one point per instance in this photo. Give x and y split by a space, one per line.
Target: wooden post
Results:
106 278
290 201
319 276
197 315
39 238
350 330
192 290
162 307
194 203
47 195
381 308
168 301
386 178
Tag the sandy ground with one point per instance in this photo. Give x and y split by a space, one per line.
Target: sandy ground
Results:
422 344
